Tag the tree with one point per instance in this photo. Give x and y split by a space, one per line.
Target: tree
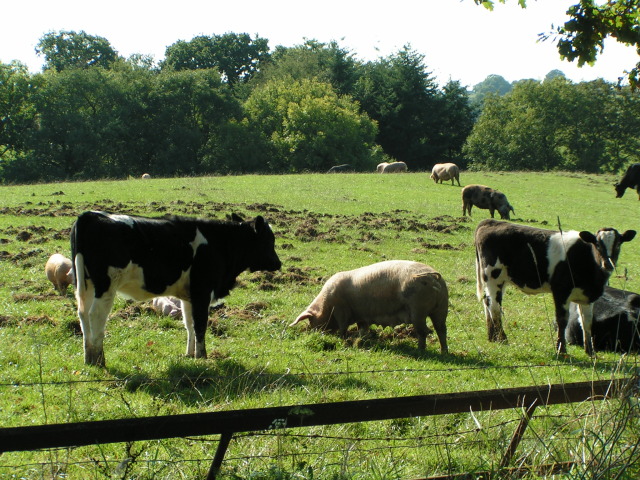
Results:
401 95
236 56
17 117
554 74
457 119
590 22
68 49
325 62
98 123
582 37
310 127
17 112
492 85
556 124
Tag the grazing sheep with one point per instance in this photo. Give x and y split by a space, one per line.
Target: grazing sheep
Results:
387 293
395 167
169 306
445 171
145 176
381 166
485 197
59 272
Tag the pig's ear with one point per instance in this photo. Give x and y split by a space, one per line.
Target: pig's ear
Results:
303 316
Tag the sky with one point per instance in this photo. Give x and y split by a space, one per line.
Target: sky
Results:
459 40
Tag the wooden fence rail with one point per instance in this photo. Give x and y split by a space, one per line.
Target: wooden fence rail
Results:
226 423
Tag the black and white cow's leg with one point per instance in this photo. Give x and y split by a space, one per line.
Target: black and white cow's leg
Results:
562 317
187 318
98 313
200 310
84 299
493 311
585 313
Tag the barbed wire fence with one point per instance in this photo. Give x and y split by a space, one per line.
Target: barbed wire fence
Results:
490 433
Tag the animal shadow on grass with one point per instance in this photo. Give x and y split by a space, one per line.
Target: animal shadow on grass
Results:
402 341
218 380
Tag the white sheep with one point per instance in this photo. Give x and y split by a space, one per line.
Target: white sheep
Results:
59 272
381 166
395 167
386 293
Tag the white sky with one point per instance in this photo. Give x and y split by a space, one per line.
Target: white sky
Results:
460 41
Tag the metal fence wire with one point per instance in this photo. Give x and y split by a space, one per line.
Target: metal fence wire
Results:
282 422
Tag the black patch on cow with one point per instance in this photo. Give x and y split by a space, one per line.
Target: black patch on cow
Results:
499 295
615 322
495 273
522 248
162 248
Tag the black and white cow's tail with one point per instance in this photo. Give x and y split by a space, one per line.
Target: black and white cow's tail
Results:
74 253
480 284
77 261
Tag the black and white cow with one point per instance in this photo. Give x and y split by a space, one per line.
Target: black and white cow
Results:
615 322
630 179
192 259
572 266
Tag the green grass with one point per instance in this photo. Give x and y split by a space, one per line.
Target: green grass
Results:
323 224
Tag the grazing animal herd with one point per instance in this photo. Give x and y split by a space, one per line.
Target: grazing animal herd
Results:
184 264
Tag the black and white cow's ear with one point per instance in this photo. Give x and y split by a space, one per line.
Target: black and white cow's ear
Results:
260 223
236 218
628 236
588 237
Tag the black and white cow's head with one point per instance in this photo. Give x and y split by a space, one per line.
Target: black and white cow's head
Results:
264 256
609 241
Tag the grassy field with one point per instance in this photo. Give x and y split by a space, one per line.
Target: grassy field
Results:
323 224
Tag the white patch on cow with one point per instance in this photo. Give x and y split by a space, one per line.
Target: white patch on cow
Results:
578 296
122 218
608 239
200 239
129 283
559 244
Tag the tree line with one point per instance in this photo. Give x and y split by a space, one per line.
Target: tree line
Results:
225 104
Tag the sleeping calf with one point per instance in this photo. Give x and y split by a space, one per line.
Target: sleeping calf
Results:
615 322
386 293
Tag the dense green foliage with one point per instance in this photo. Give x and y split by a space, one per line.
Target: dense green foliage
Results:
323 224
237 57
226 104
557 125
590 22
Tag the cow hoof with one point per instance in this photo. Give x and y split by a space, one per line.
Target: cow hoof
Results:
95 359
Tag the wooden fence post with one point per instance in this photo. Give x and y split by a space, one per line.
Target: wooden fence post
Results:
225 438
518 434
